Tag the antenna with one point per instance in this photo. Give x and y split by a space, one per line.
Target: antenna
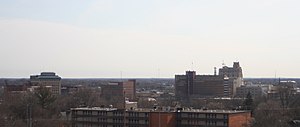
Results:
192 65
223 63
121 74
158 73
275 76
215 70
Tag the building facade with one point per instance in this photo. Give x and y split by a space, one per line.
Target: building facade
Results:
234 75
255 91
113 95
212 118
112 117
192 85
222 85
116 93
47 79
130 89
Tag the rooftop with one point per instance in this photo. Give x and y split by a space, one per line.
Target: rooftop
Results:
213 111
95 109
45 75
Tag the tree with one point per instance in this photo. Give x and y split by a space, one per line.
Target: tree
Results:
285 94
44 97
269 114
248 102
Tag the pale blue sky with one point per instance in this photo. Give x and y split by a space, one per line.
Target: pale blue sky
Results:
142 38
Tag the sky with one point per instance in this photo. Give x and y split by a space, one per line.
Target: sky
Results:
148 38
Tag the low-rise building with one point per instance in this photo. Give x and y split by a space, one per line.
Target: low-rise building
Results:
113 117
254 90
212 118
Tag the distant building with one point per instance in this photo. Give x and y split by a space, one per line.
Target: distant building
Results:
234 75
47 79
232 72
115 93
254 90
11 92
286 87
113 117
130 89
130 105
192 85
224 84
15 88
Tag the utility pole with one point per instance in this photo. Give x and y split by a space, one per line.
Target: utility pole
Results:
29 115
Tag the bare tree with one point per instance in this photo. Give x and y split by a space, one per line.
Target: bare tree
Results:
269 114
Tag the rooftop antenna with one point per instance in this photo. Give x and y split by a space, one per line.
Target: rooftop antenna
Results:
215 70
121 74
192 65
158 73
275 76
223 63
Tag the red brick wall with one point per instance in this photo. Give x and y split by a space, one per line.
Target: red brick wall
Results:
165 119
239 119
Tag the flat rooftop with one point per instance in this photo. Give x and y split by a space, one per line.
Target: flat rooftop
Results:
213 111
163 110
95 109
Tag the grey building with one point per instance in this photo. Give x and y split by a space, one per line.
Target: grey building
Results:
254 90
49 80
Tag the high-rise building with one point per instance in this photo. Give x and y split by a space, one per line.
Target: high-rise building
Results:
130 89
224 84
192 85
232 72
234 75
47 79
115 93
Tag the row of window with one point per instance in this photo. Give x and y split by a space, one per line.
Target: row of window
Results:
136 121
198 122
197 115
136 114
118 120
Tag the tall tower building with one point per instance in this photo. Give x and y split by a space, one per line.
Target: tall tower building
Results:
232 72
114 93
49 80
234 75
222 85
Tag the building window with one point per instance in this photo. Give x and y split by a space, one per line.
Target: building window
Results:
225 116
225 123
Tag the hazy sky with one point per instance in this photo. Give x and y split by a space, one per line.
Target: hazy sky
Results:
148 38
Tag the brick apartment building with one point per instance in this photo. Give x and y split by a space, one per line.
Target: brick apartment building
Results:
212 118
113 117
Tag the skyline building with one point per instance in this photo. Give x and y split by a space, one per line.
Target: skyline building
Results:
116 93
49 80
222 85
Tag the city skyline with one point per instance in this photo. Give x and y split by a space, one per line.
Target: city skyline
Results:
151 39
